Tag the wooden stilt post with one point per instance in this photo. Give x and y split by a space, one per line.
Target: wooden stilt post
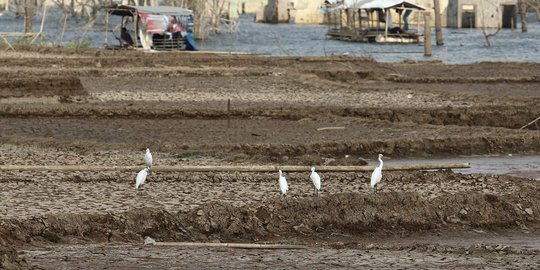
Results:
427 34
386 19
438 27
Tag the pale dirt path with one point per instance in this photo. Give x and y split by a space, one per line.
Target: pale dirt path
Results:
139 257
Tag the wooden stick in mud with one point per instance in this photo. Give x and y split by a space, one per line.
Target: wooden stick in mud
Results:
229 113
211 168
530 123
330 128
228 245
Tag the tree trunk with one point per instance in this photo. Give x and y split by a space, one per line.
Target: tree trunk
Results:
29 10
199 9
522 4
438 29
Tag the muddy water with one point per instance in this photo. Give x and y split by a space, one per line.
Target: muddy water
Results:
522 166
461 45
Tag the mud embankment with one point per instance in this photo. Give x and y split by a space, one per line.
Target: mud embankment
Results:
277 219
512 117
39 86
449 146
406 203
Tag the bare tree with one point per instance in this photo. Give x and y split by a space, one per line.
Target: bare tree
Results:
82 9
216 10
199 9
207 14
489 10
522 7
488 35
28 8
438 28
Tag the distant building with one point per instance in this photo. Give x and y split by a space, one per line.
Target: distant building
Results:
4 5
292 11
237 7
481 13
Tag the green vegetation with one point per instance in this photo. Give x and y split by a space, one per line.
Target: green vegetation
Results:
82 43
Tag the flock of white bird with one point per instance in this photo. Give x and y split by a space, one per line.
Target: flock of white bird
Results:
315 178
141 176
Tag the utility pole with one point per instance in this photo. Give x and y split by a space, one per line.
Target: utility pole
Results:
438 28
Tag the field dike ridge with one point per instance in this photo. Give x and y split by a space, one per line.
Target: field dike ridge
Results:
351 213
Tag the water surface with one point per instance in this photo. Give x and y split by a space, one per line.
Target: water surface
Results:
461 45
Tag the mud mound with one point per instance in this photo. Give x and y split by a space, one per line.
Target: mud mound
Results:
355 213
527 143
344 76
492 116
402 79
65 57
9 258
40 86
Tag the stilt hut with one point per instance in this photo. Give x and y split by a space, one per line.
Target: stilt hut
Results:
380 21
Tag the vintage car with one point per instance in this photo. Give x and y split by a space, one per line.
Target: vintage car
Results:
149 28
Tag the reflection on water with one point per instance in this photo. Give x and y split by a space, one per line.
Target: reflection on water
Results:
523 166
461 45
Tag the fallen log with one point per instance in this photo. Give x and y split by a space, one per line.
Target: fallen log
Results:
228 245
211 168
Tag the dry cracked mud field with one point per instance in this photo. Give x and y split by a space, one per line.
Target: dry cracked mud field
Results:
94 107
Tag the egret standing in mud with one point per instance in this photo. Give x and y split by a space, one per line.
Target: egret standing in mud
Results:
141 177
283 184
316 180
376 176
148 160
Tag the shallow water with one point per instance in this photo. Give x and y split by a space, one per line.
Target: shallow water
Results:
523 166
461 45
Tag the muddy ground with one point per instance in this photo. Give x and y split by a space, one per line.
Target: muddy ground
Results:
95 107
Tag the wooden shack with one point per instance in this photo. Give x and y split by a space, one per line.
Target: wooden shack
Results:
379 21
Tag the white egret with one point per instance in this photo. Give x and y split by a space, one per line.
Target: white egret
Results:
148 158
316 180
377 175
283 183
141 177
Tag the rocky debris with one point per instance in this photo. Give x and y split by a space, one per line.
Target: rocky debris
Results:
149 241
